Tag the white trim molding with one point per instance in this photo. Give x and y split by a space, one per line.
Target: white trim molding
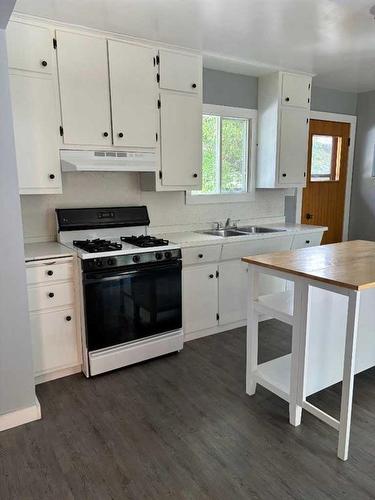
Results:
20 417
352 120
228 111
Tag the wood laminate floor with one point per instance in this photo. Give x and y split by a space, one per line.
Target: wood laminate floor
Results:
182 427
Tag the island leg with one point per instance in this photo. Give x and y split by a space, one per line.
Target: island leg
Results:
348 375
252 331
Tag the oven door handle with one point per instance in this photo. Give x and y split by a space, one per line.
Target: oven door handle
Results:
113 275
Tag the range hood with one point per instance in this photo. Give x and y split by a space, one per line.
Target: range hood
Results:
107 161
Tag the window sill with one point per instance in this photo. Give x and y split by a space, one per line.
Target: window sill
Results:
211 199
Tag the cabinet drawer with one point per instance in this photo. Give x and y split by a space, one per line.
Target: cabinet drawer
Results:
306 240
49 272
296 90
258 246
179 71
54 340
29 47
53 295
199 255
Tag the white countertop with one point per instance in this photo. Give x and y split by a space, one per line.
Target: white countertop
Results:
48 250
192 238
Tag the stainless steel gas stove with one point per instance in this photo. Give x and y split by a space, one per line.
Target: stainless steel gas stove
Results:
130 287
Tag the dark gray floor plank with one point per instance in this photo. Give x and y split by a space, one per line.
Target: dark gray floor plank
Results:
182 427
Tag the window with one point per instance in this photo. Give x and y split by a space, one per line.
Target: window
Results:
228 148
325 158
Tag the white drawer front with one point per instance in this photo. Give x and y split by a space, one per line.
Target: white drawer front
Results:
53 295
306 240
255 247
54 340
49 272
200 255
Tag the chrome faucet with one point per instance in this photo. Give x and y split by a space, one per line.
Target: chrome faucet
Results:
231 224
218 226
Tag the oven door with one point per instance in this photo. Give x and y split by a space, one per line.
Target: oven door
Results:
129 304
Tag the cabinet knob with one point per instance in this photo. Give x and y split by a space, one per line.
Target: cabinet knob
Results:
44 63
195 175
120 134
68 318
284 175
307 242
211 276
287 99
51 295
200 255
105 134
194 85
52 176
50 273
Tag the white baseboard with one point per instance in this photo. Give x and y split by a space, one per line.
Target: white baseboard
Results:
20 417
65 372
212 331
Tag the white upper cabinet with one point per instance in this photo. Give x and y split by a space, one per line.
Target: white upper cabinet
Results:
84 89
296 90
133 94
283 116
181 140
293 136
180 71
35 130
29 47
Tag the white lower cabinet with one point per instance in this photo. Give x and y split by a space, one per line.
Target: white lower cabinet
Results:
232 291
54 340
54 318
200 297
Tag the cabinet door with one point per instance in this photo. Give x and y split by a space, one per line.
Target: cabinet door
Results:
232 291
293 146
200 297
296 90
181 140
133 94
179 71
29 47
84 89
36 133
54 340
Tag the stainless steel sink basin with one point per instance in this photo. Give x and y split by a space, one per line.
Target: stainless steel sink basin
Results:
224 233
258 229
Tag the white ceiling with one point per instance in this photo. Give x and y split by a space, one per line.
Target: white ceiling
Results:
334 39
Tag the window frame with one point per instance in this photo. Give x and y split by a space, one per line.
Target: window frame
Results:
249 195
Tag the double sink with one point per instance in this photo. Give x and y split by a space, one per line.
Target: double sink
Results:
240 231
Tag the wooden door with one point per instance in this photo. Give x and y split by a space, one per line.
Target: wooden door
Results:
181 139
84 89
133 94
324 196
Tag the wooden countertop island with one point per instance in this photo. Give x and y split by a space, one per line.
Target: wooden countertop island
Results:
328 299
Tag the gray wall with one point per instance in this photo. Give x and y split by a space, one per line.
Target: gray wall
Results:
230 89
16 370
362 209
333 101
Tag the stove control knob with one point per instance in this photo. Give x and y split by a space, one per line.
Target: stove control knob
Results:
168 255
136 258
111 262
158 256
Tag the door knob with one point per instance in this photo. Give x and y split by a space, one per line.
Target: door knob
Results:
309 216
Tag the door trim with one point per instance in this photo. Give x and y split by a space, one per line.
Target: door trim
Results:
336 117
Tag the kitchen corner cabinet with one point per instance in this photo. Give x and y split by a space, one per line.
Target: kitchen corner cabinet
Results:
34 104
54 319
283 121
180 106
